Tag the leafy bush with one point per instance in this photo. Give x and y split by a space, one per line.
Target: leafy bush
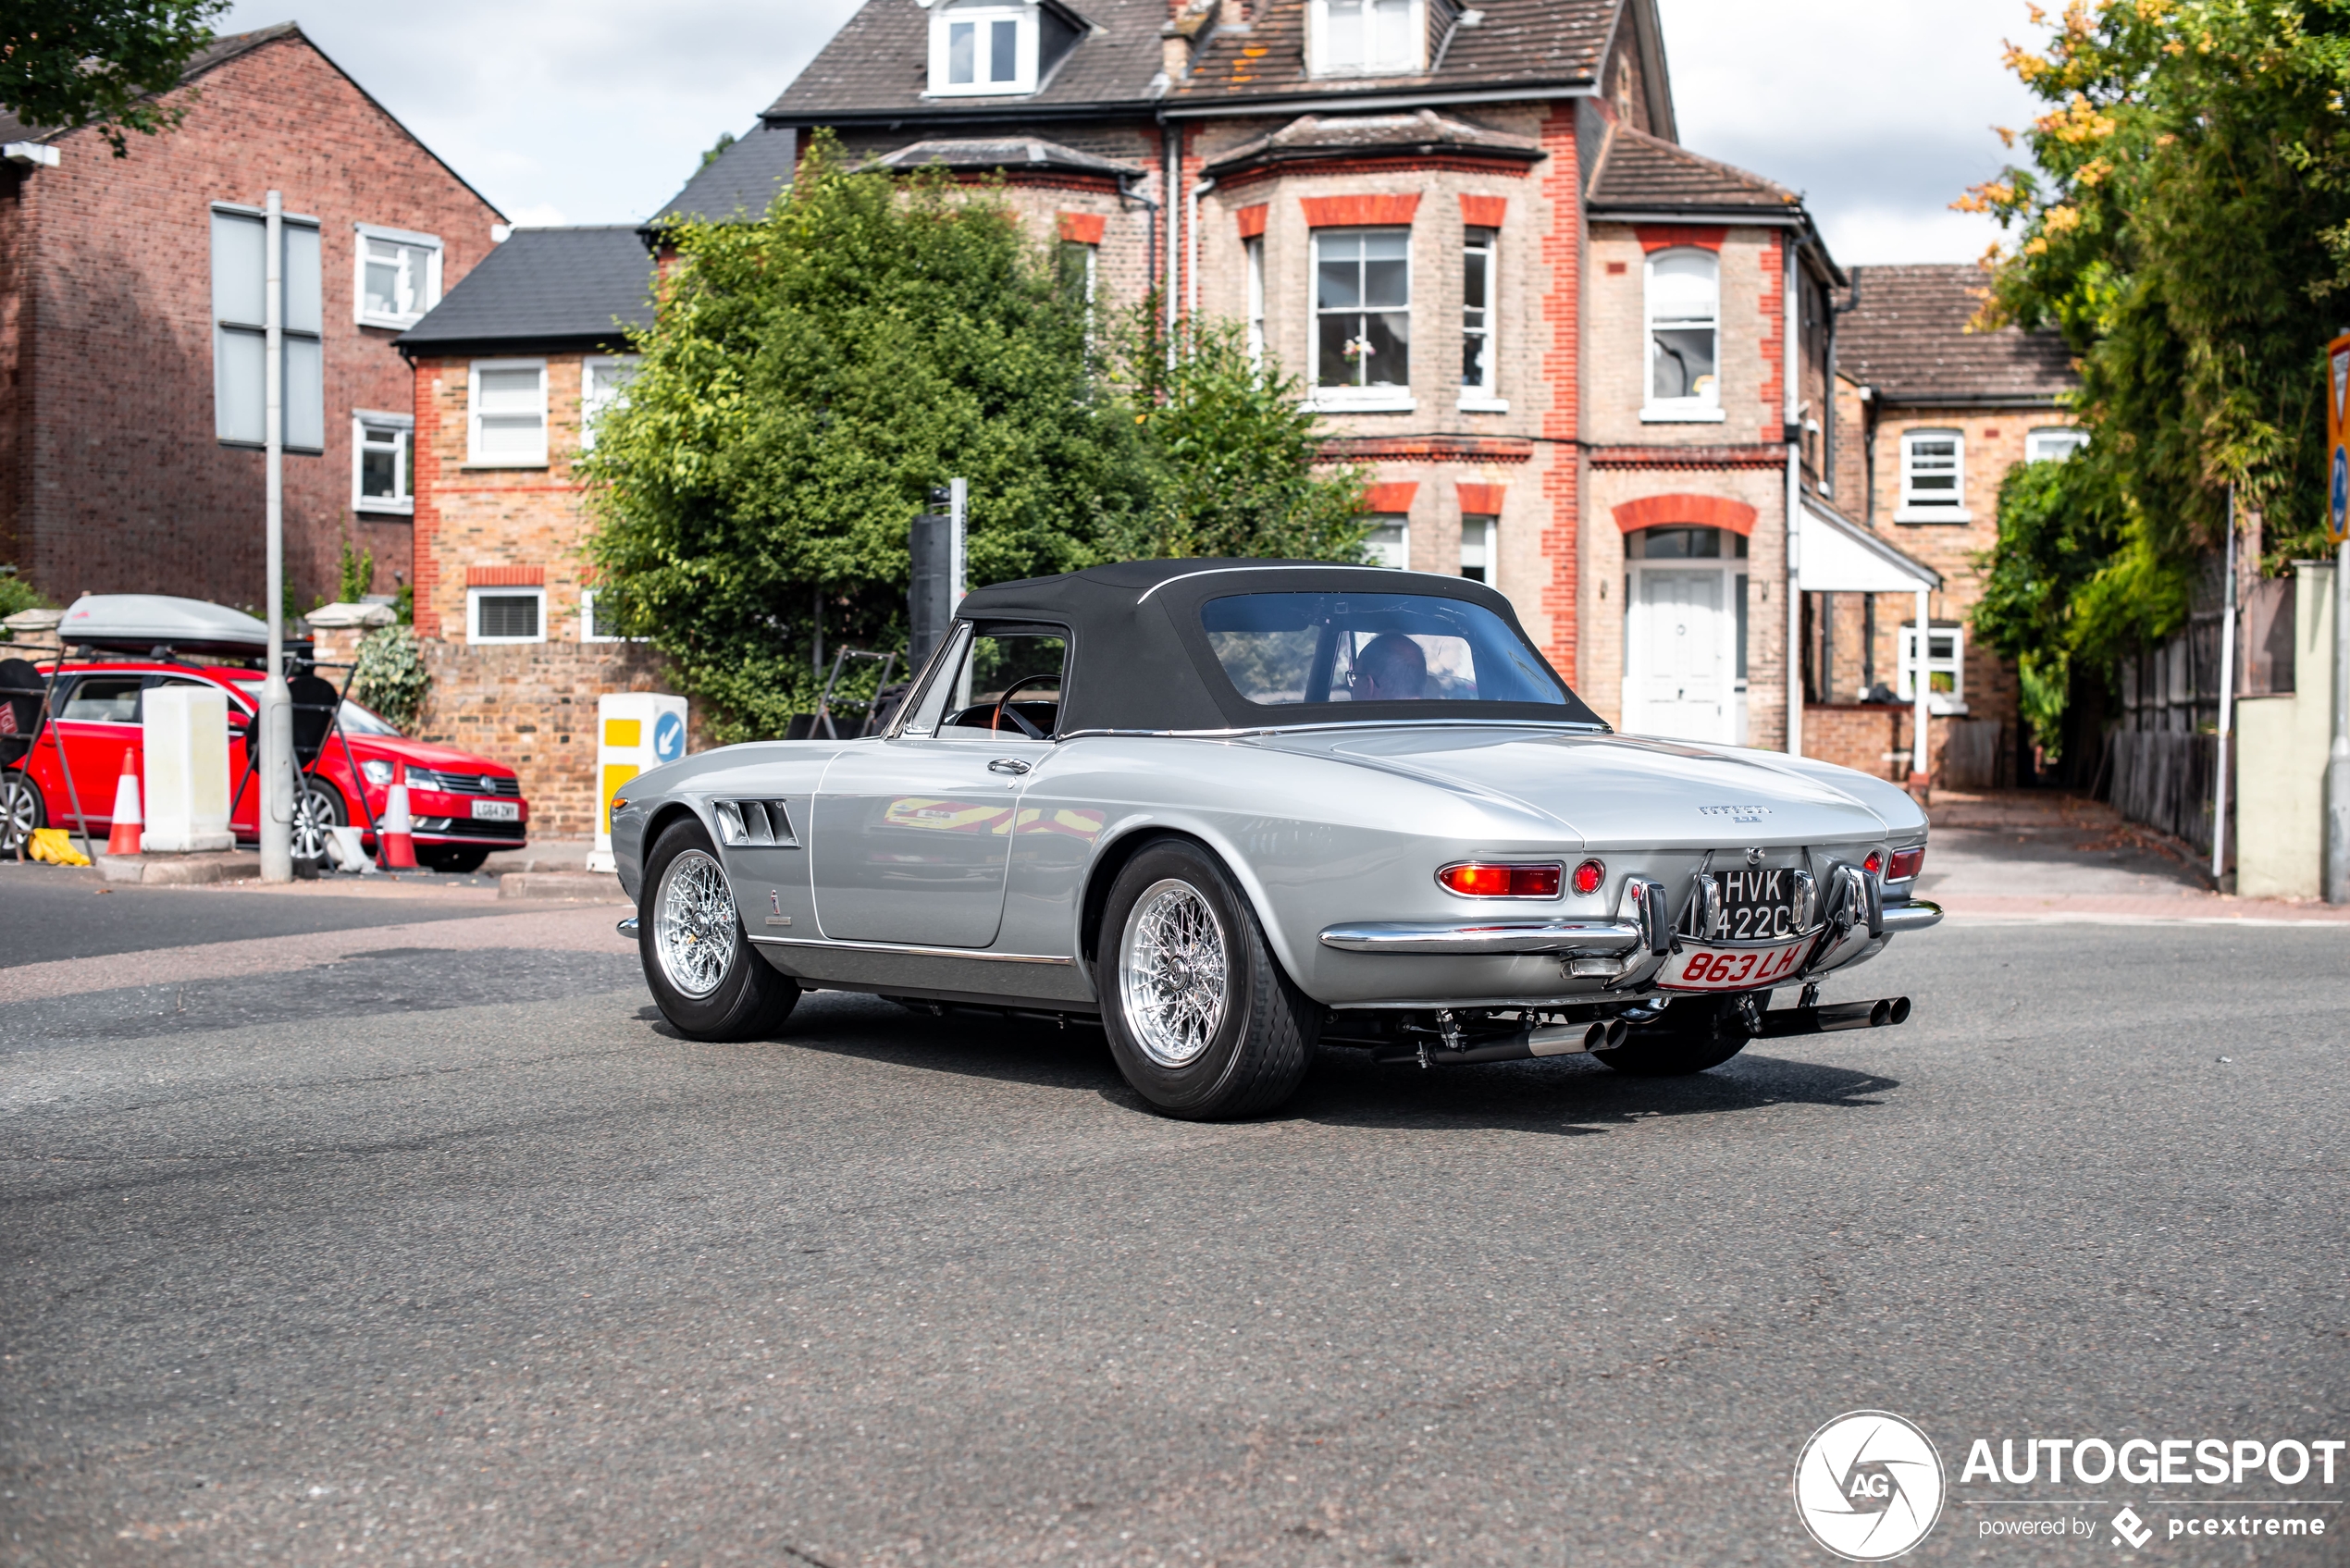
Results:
390 678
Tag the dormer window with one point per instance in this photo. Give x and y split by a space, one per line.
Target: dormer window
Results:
981 48
1368 37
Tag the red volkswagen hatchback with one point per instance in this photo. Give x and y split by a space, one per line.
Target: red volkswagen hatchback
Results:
465 805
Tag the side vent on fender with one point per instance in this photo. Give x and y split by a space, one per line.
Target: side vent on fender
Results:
754 823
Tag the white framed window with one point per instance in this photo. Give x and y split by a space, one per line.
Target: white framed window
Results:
1254 250
1481 553
1481 281
399 276
494 615
1390 542
506 422
593 626
1366 37
1684 310
1945 667
980 48
1362 317
2053 443
1933 477
383 461
602 382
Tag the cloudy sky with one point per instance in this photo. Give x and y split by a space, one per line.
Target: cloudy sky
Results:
578 111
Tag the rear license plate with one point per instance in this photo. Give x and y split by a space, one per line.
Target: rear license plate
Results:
1757 904
497 811
1717 968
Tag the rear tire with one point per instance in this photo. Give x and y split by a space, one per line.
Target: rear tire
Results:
21 811
1696 1033
705 976
1201 1020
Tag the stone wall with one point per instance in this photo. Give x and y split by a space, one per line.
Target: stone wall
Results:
532 706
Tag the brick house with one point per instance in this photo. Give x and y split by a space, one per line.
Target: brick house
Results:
1930 418
113 476
509 371
1583 363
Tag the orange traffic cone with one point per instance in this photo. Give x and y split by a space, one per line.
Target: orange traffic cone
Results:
399 848
123 839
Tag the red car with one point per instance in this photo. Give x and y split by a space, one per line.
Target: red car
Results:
464 805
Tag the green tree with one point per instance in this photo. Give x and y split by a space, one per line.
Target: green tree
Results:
811 375
2059 529
2186 226
70 62
1233 448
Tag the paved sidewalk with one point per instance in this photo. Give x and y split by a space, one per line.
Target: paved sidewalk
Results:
2039 856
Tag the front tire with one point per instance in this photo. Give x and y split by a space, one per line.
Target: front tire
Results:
318 807
1201 1020
1696 1033
699 962
461 862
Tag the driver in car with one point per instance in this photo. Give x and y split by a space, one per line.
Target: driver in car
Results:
1389 668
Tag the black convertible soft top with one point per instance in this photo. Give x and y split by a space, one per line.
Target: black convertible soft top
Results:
1140 658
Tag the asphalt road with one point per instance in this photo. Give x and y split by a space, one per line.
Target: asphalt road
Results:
455 1256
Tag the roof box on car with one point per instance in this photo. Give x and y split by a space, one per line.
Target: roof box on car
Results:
137 622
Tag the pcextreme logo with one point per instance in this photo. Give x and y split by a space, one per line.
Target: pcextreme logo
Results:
1868 1485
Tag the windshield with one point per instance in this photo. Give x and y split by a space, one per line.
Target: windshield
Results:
1282 648
357 721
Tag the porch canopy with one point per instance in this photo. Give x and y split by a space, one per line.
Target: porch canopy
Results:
1836 555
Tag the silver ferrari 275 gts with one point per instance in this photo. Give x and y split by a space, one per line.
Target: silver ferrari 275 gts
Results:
1239 811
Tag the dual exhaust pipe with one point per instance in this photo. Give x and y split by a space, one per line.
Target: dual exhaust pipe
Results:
1607 1035
1879 1014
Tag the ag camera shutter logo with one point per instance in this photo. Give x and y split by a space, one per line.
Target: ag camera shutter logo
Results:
1869 1485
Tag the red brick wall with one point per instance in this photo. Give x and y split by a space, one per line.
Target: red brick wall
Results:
111 479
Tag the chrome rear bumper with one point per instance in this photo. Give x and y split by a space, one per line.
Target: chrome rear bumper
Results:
1484 936
1917 915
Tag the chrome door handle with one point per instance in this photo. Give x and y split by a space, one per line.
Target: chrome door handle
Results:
1007 765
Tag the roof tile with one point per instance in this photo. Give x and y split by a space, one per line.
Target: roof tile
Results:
1902 330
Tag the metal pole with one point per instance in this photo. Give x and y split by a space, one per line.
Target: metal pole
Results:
958 556
2227 701
2337 862
276 702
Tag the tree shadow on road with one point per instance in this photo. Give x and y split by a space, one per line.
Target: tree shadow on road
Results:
1567 1096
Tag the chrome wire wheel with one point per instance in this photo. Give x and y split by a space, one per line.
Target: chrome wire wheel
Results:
693 924
1171 976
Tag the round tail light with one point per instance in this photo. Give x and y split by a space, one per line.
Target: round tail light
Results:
1589 876
1875 864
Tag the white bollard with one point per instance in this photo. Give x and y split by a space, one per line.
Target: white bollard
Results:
186 750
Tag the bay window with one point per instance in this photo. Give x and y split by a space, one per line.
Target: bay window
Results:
1480 374
1363 317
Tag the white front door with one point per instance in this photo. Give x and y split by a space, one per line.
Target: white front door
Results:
1679 673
